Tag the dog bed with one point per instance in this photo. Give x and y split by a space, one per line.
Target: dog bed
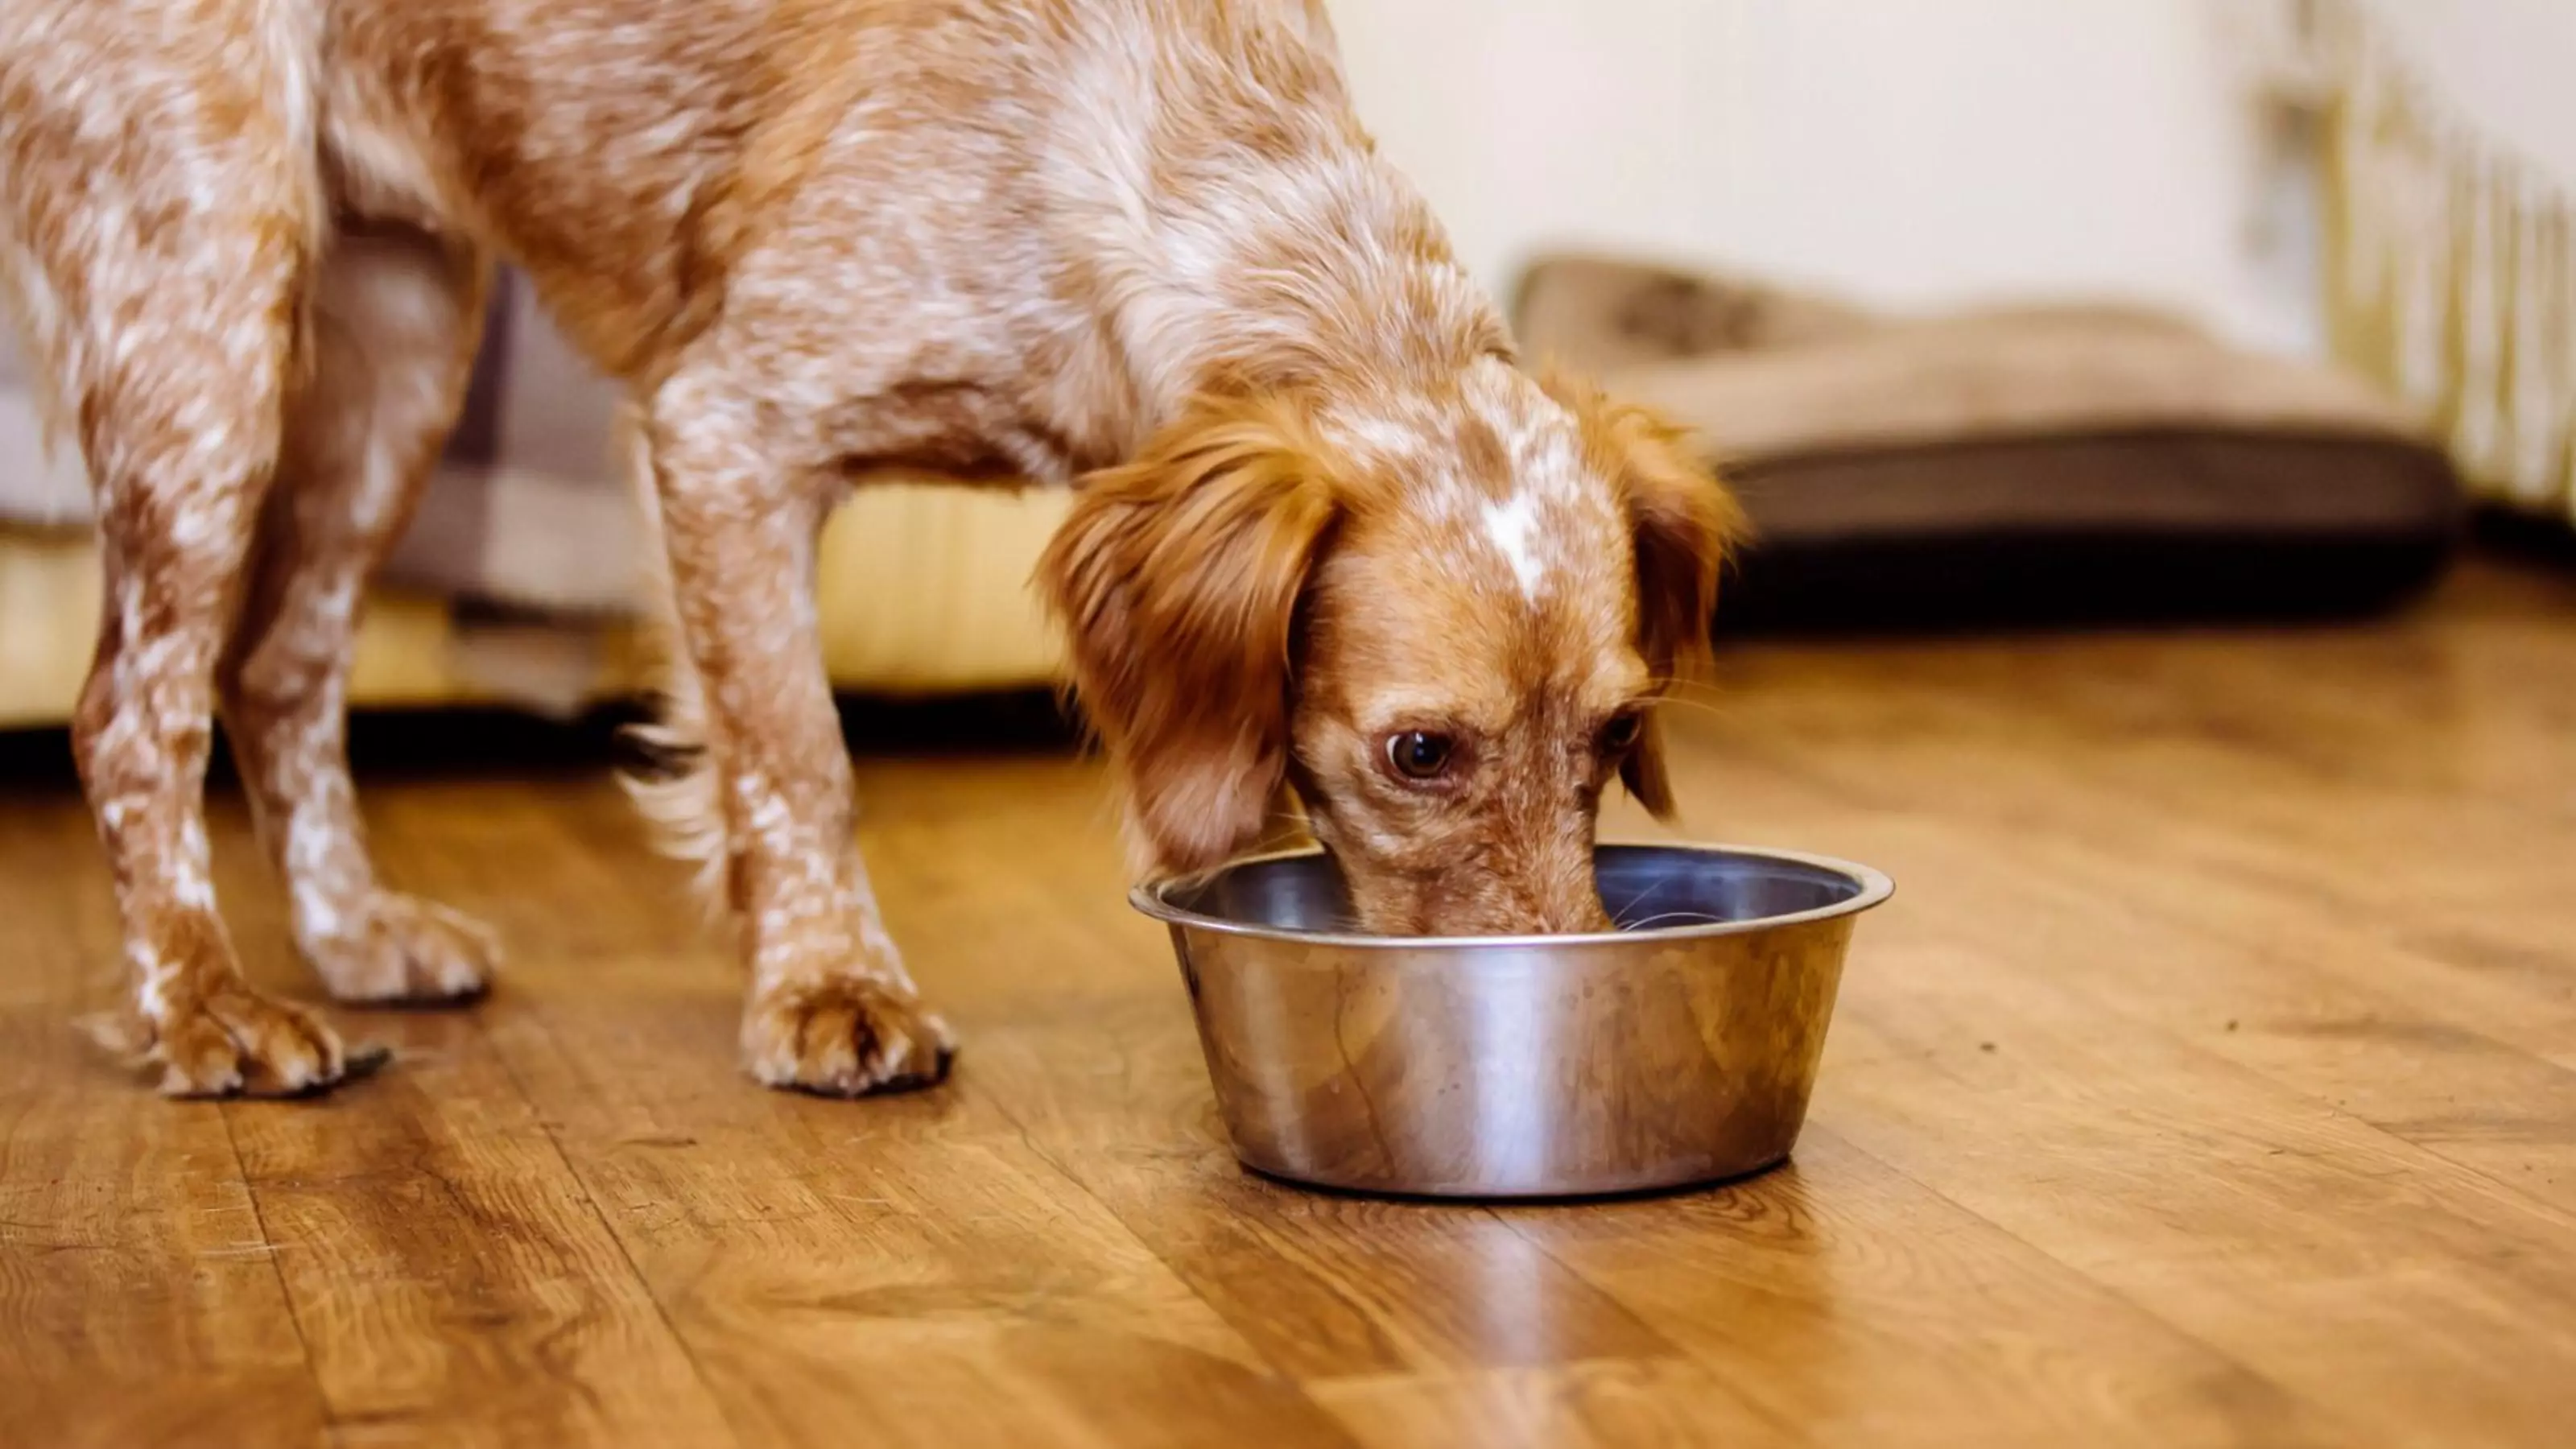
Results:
2030 465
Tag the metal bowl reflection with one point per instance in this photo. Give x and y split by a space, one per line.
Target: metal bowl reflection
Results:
1679 1051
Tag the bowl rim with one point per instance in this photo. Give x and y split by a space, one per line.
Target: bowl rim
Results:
1151 899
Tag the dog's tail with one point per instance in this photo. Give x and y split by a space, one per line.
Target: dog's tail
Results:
674 785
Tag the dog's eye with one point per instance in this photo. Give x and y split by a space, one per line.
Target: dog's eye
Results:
1418 754
1620 734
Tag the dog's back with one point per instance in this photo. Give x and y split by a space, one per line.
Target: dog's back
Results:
251 241
623 151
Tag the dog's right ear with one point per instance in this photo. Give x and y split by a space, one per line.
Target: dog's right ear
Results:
1176 579
1685 525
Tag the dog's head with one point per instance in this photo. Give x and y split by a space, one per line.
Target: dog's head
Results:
1442 620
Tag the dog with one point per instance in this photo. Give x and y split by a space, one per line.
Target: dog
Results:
1333 542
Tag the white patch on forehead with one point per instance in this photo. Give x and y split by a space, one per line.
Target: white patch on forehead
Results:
1546 453
1543 444
1512 527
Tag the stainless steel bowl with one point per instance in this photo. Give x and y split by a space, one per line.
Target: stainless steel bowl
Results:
1679 1052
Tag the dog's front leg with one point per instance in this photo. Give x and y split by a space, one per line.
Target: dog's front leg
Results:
830 1008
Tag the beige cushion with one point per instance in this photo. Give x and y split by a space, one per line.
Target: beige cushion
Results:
2074 449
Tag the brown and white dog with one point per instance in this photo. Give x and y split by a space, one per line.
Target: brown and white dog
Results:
1331 538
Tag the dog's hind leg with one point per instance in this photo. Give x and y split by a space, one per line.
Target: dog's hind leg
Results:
394 320
162 259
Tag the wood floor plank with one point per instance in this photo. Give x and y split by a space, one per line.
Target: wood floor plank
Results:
2208 1082
1324 1286
2165 912
455 1282
1845 1299
139 1301
909 1271
912 1270
1581 1406
2339 1262
2014 927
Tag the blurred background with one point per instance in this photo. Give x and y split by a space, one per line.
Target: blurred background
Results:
2000 311
1917 156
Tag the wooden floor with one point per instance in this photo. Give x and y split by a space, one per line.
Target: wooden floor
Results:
2211 1080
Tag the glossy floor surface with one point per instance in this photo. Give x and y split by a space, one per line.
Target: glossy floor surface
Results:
2211 1080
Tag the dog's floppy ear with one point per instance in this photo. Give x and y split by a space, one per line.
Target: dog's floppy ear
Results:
1176 578
1684 525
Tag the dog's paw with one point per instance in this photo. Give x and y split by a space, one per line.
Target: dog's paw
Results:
236 1042
847 1036
407 952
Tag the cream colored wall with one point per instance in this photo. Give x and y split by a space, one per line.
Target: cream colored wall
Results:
2502 65
1916 152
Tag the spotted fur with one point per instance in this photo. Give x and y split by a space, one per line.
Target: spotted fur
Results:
1141 244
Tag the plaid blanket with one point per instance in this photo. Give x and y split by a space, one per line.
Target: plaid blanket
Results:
529 509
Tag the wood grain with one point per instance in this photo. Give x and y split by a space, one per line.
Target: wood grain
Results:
2212 1080
140 1302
